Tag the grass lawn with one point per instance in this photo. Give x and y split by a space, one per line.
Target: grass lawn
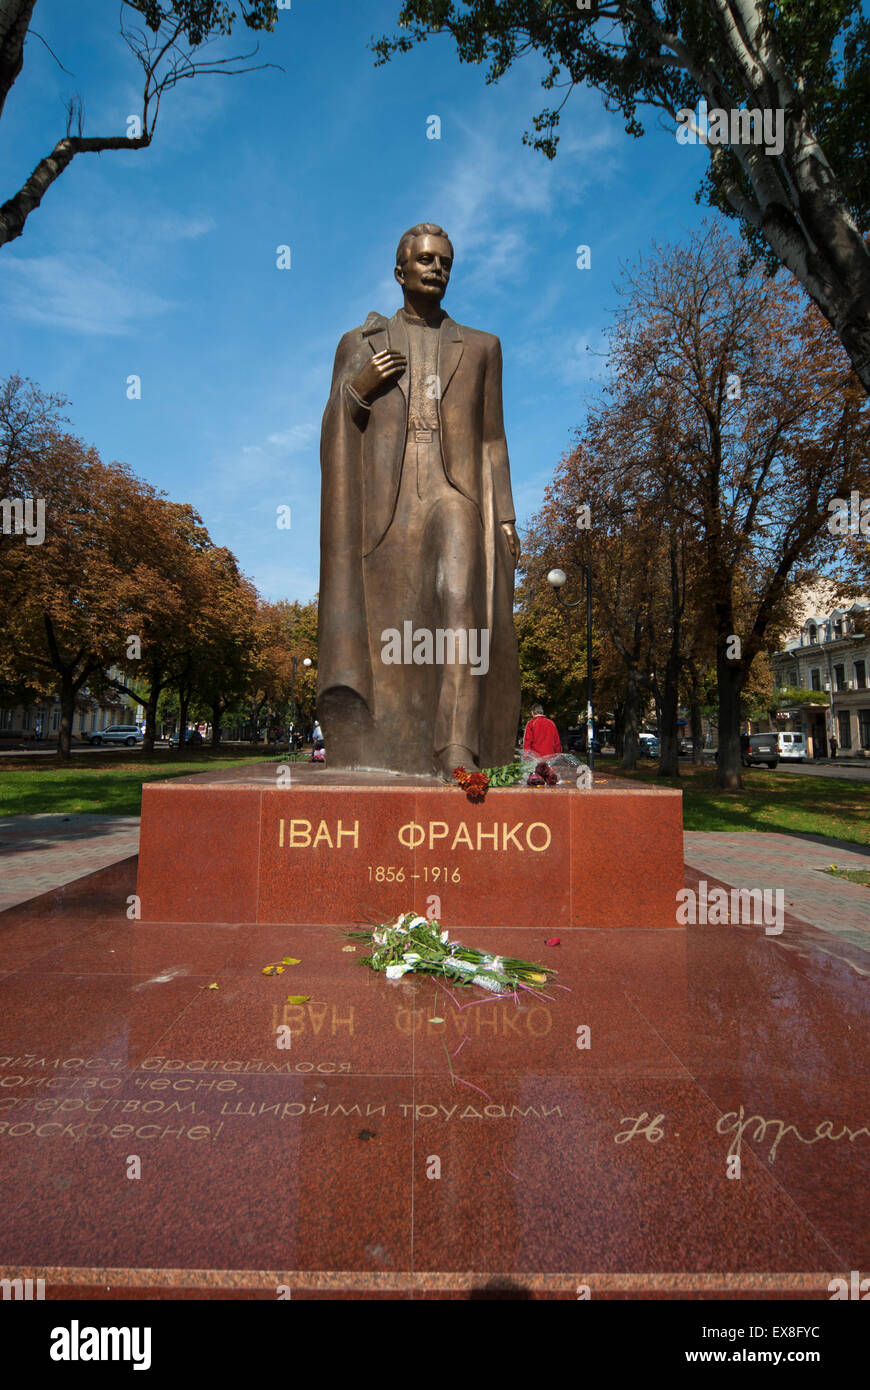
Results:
773 801
770 801
853 875
100 783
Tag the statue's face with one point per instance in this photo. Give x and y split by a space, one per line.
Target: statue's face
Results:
426 270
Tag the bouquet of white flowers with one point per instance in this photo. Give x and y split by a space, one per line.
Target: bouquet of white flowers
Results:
413 943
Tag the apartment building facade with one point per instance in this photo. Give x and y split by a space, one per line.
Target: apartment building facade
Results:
831 655
92 714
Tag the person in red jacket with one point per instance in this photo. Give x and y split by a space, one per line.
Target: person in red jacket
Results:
541 738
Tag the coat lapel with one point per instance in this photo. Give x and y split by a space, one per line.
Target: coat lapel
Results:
397 335
391 333
450 347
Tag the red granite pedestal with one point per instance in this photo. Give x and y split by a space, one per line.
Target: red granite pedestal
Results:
342 848
400 1140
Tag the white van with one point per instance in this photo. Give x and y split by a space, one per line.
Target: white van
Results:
792 746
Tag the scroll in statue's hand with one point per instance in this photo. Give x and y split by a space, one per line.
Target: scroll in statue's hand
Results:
513 540
384 368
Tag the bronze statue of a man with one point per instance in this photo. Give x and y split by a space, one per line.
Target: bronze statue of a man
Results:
417 653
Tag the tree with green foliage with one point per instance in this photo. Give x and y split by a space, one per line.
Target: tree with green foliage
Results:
167 44
805 63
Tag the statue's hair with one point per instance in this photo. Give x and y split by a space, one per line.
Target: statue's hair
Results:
421 229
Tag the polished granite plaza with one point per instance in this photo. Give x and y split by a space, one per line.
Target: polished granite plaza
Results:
709 1136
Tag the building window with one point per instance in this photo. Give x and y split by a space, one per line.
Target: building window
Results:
839 678
811 634
861 675
844 724
816 679
55 721
864 727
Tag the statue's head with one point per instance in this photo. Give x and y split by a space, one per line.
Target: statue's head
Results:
424 258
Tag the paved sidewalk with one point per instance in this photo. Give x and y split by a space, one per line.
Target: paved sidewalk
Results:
38 853
796 864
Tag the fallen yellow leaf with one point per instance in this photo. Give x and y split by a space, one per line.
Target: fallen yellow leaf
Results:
214 986
273 970
348 948
298 998
290 960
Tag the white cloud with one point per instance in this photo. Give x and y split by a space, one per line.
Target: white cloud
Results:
495 190
79 293
294 439
176 227
570 358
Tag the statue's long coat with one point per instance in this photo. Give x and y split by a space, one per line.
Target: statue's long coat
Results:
362 449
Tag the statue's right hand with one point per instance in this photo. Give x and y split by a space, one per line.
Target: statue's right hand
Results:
384 368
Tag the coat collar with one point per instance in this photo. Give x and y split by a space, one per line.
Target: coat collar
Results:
382 332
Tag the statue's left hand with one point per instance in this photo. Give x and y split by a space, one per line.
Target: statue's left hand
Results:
513 540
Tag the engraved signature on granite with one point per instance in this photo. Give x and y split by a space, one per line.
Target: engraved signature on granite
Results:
740 1126
651 1130
736 1122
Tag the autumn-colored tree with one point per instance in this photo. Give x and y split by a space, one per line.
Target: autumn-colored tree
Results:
766 424
76 595
226 642
286 635
166 540
624 557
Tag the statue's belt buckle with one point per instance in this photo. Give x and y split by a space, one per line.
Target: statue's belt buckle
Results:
424 436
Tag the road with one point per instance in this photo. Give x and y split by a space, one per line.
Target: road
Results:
850 773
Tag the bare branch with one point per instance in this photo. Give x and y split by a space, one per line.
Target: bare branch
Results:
51 51
16 210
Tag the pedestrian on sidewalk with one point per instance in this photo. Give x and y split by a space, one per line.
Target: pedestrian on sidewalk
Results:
833 746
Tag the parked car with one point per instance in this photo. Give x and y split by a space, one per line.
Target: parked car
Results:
116 733
686 748
759 748
649 745
792 747
193 738
575 740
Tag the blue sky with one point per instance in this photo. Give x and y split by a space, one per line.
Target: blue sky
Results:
162 262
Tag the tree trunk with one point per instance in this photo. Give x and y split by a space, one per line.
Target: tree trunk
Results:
151 713
696 721
183 702
730 677
67 714
669 751
618 722
14 20
217 710
631 720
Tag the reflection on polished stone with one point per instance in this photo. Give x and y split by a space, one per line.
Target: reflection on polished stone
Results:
405 1140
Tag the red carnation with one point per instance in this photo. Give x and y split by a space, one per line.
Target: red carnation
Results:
476 786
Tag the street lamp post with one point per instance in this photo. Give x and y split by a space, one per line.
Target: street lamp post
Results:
557 579
294 662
